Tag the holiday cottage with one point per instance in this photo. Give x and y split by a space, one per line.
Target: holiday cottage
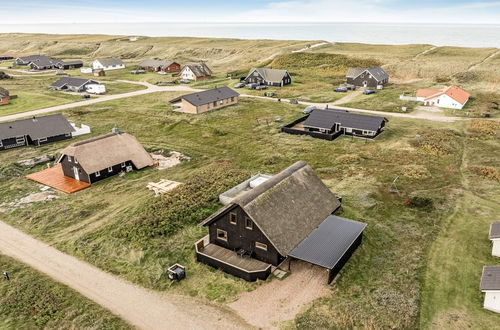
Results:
270 77
159 66
108 64
374 77
490 286
495 238
204 101
452 97
195 71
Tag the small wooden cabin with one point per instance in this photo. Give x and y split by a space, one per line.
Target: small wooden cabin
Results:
289 216
4 96
208 100
100 157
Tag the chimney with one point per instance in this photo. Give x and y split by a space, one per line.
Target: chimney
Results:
34 119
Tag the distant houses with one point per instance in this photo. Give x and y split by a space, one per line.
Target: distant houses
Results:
6 58
490 286
269 77
285 219
153 65
452 97
329 124
375 77
34 131
195 71
78 85
204 101
4 96
108 64
100 157
42 62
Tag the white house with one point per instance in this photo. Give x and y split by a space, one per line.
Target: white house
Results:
109 63
86 70
495 238
195 71
452 97
95 89
490 285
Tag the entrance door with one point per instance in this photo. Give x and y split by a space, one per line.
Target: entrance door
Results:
365 83
75 172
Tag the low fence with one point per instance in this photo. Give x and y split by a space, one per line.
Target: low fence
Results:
290 130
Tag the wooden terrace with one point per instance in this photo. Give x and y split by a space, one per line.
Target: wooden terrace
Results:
55 178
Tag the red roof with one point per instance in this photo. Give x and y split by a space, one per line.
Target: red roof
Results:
454 92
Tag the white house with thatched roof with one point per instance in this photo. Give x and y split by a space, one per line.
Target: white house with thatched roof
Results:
104 156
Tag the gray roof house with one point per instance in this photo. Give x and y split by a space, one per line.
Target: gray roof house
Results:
42 62
268 76
288 216
490 286
34 131
72 84
495 238
159 65
204 101
330 123
367 77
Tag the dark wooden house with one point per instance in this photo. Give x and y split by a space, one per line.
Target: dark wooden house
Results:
4 96
270 77
367 77
286 217
35 131
159 66
328 124
103 156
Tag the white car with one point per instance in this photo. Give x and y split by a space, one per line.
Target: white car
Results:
96 89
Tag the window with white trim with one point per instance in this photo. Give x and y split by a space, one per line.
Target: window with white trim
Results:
20 139
261 246
97 174
222 235
123 165
248 223
42 140
69 159
110 169
232 218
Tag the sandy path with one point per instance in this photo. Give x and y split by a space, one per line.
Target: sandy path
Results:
142 308
279 301
474 66
150 89
348 98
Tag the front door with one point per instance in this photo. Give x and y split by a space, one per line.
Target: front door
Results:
75 172
365 83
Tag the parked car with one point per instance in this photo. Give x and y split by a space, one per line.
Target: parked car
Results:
252 85
340 89
137 71
309 109
261 87
368 91
294 101
184 81
351 87
239 85
86 96
162 72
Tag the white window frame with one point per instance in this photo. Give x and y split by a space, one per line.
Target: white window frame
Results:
261 246
110 169
123 165
42 140
1 144
18 139
235 222
69 159
221 238
251 223
97 174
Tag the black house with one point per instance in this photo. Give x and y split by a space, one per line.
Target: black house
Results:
330 123
287 217
371 77
103 156
35 131
270 77
42 62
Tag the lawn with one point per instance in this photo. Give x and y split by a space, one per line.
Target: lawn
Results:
384 100
31 300
120 227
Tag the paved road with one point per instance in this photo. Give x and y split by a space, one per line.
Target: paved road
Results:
150 89
144 309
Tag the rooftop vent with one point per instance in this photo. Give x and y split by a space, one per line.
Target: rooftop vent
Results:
116 130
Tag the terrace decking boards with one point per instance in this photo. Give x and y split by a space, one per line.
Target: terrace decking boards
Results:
55 178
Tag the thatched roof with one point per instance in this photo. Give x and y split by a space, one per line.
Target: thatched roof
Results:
288 206
101 152
4 92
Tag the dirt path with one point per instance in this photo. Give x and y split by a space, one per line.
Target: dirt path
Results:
142 308
150 89
279 301
424 52
472 67
310 47
348 98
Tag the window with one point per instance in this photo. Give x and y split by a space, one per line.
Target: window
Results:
232 99
67 134
1 143
110 169
261 246
76 160
42 140
123 165
97 174
20 139
222 235
248 223
232 218
69 159
215 103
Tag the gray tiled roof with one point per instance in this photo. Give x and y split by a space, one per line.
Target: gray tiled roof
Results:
491 278
205 97
270 75
110 61
495 230
377 72
36 128
200 69
4 92
327 244
73 82
326 118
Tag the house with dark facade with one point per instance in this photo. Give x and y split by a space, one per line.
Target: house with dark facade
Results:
286 218
34 131
153 65
268 76
73 84
367 77
4 96
195 71
204 101
329 124
101 157
42 62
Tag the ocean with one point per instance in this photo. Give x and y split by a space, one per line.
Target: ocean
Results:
467 35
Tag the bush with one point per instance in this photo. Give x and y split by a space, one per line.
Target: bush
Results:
483 128
420 202
3 75
488 172
436 142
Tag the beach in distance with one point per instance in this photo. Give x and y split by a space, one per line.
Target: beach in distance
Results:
464 35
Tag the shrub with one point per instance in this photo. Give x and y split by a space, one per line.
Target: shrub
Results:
483 128
420 202
488 172
436 142
3 75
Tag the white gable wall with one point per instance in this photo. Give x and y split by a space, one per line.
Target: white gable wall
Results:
96 65
187 74
496 247
444 101
492 301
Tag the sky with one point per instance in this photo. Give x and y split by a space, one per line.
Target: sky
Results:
384 11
